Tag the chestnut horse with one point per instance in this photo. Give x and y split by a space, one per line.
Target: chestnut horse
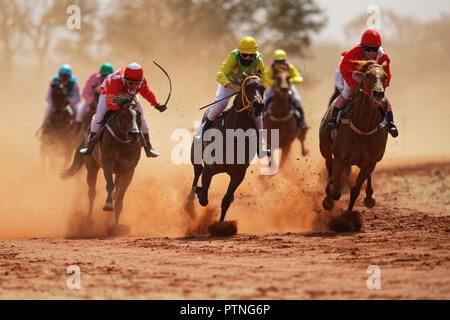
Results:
248 103
281 115
360 138
117 153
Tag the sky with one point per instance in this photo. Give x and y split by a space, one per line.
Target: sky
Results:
340 12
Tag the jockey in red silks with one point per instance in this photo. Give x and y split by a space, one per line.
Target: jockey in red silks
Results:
131 81
369 49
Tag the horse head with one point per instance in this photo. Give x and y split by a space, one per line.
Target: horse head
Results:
281 76
252 93
129 118
373 82
59 96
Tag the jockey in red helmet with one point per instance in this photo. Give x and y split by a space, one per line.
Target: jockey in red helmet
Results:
369 49
131 81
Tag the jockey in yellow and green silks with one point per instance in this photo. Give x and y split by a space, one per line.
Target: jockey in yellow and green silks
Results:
244 59
280 57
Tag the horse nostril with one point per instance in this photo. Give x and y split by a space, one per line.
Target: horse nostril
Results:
284 89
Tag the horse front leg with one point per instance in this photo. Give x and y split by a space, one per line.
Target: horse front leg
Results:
363 175
235 181
338 166
92 169
301 137
109 188
328 202
369 202
198 168
121 187
202 192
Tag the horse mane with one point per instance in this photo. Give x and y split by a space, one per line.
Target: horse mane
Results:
363 65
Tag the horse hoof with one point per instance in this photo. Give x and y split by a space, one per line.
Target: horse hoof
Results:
203 203
346 222
223 229
108 207
328 204
369 202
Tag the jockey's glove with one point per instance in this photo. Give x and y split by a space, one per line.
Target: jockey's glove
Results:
161 107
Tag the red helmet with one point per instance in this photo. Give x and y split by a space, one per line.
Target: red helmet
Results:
371 38
134 72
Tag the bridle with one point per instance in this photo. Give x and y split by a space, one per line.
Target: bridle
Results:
121 128
245 100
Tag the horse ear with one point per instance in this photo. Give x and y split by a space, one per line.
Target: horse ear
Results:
259 74
384 65
244 75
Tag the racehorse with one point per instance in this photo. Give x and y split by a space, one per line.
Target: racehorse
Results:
359 140
247 104
57 134
281 114
117 153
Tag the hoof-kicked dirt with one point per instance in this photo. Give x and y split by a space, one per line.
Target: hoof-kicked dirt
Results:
406 235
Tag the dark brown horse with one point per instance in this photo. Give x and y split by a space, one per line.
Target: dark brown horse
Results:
281 115
117 153
359 140
57 135
237 153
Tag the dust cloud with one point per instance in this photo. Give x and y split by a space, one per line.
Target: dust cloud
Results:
35 202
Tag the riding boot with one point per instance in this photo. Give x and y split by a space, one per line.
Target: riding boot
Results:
208 123
302 121
261 153
392 128
92 140
332 123
148 148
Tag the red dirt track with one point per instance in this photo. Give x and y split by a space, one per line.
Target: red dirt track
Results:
406 235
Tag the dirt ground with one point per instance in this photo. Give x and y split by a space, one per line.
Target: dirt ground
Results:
406 235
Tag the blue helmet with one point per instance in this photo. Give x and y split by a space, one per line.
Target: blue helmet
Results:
66 69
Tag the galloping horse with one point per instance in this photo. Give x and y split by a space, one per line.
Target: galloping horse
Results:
249 100
281 115
117 153
57 135
360 139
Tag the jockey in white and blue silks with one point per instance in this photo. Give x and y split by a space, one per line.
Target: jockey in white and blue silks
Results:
68 80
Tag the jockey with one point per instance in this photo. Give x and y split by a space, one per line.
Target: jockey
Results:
88 94
280 57
369 49
131 81
245 59
68 80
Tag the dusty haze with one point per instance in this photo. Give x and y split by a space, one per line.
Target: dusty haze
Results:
34 202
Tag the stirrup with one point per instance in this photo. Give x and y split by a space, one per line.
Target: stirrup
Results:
151 153
393 131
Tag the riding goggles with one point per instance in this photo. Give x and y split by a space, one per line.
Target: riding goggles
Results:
373 49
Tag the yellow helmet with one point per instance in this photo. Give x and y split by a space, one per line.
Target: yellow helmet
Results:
279 54
248 45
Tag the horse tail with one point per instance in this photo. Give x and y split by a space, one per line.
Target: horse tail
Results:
78 161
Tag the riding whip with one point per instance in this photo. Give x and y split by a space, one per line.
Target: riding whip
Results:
170 82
